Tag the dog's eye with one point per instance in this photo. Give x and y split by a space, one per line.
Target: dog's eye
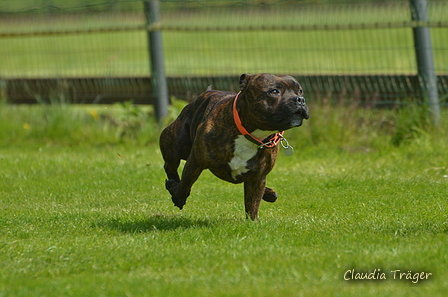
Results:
300 92
274 92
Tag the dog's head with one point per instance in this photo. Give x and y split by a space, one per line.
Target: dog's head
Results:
273 102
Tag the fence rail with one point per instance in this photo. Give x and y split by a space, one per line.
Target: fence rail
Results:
370 91
239 28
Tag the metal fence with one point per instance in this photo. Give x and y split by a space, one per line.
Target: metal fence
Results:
98 52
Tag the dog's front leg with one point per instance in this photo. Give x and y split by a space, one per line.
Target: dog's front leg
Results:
253 192
181 190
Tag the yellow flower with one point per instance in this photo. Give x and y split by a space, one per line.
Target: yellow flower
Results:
26 126
94 114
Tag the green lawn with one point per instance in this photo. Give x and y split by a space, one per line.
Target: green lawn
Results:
85 212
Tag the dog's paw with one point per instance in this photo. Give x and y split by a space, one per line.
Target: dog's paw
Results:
172 186
178 202
269 195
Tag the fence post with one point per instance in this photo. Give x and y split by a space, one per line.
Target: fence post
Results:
3 91
158 78
425 61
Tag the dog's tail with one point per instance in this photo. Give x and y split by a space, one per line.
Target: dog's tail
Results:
209 88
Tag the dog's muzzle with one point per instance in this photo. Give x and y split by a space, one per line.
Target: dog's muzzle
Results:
302 108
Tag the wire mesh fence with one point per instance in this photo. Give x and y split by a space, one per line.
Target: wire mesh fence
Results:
97 51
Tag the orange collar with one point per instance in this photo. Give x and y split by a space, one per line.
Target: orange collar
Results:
271 140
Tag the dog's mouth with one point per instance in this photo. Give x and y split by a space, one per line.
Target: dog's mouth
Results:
303 112
301 108
296 117
289 115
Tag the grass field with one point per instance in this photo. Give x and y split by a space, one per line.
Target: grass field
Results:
85 212
201 52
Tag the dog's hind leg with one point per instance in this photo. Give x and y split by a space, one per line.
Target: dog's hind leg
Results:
181 190
171 170
171 156
175 145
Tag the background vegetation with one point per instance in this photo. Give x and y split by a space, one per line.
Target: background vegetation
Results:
194 46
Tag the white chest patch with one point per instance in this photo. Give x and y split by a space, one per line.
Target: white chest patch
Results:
244 151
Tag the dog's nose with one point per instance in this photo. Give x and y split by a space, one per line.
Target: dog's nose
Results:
300 100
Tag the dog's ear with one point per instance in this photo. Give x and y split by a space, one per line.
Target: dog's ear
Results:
244 80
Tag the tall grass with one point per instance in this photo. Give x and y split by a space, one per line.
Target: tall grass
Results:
64 124
341 125
348 126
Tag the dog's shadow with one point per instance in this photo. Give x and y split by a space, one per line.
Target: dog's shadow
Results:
154 223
